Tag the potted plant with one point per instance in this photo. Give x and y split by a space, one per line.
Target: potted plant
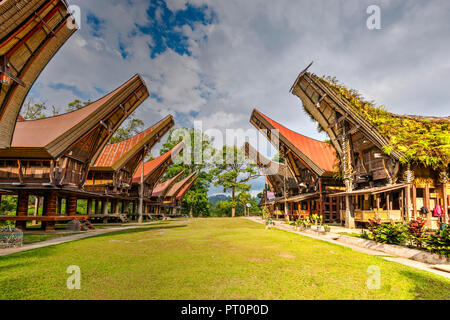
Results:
326 228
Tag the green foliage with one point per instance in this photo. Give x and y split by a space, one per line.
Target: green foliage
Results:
77 105
390 233
32 110
196 143
420 140
416 232
132 127
278 158
232 172
439 242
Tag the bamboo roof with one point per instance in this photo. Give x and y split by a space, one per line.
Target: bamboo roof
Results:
115 155
177 187
31 33
54 136
152 167
319 156
161 189
186 188
407 138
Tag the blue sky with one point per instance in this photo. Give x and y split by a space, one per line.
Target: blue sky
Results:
215 61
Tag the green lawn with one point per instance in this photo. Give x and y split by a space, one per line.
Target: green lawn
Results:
33 238
217 258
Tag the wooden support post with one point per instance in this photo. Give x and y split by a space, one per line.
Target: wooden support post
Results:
427 203
89 206
401 199
126 207
116 206
59 212
49 209
105 210
414 201
22 209
445 203
71 206
37 201
408 202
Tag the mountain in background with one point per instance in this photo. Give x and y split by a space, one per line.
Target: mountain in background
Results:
217 198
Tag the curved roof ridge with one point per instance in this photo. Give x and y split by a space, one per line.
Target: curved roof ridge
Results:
93 104
179 185
279 124
52 128
186 188
151 165
163 186
320 153
113 153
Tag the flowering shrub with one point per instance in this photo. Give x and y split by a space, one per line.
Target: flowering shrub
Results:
416 232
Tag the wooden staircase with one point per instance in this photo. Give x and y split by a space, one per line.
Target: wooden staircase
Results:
86 224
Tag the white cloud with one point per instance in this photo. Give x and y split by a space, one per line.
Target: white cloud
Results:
252 52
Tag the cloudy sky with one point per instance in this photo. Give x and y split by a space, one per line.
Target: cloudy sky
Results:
217 60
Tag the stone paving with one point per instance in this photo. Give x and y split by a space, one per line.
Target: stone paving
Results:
331 236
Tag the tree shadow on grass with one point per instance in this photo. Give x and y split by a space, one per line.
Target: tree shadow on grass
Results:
50 250
132 231
427 288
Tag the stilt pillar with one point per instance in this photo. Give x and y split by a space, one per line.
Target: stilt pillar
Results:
72 206
89 206
49 210
22 208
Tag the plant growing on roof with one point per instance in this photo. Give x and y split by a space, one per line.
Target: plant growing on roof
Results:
420 140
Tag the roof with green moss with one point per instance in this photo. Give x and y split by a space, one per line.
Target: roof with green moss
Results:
414 139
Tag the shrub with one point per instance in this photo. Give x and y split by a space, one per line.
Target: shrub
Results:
439 242
416 232
390 233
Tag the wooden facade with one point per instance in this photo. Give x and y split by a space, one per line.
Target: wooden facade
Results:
51 157
311 163
378 184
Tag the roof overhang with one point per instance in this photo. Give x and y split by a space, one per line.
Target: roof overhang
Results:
266 129
104 115
370 191
31 33
320 101
151 138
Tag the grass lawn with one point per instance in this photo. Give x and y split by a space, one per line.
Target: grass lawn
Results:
33 238
216 258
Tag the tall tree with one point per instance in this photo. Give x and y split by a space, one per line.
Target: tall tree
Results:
191 160
233 171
